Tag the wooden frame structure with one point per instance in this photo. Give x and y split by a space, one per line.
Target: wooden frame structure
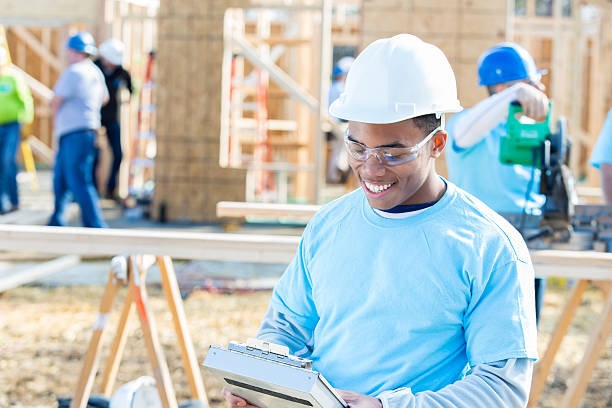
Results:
584 266
261 51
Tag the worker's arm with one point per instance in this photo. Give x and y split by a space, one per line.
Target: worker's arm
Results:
606 181
278 328
472 126
503 383
25 96
55 104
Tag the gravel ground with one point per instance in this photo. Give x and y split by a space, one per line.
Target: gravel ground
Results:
44 332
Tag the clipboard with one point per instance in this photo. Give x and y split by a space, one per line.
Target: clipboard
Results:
266 375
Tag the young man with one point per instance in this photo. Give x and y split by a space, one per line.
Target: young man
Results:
601 157
509 73
408 291
79 94
16 109
116 78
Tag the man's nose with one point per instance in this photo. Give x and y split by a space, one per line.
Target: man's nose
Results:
374 164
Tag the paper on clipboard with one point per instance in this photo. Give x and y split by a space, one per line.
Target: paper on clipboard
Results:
266 375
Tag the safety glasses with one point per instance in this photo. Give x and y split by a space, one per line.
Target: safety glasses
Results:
391 156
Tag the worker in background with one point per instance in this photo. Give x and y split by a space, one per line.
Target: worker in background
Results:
79 94
509 73
601 157
337 164
408 291
116 78
16 109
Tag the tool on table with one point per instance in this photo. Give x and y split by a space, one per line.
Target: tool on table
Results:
534 144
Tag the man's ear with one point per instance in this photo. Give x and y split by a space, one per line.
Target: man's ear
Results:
439 143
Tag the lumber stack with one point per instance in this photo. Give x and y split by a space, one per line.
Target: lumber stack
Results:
188 179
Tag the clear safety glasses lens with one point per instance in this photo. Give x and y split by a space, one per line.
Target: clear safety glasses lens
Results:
386 155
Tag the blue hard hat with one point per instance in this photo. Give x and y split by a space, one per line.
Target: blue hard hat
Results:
341 68
82 42
507 62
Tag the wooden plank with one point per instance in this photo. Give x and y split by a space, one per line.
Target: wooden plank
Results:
92 358
38 89
542 368
110 242
241 209
578 384
34 273
155 352
117 347
580 259
173 296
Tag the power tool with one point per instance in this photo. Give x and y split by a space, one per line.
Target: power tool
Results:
533 144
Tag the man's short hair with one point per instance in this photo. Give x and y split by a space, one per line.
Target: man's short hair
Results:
427 123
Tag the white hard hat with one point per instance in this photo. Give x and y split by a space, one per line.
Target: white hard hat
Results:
397 78
138 393
112 51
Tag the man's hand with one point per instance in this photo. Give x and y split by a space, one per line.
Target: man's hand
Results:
234 401
533 101
356 400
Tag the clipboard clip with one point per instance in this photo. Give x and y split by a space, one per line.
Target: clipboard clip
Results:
269 351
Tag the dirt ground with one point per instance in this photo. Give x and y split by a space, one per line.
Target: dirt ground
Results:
44 333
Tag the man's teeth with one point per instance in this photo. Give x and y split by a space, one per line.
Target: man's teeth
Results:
377 188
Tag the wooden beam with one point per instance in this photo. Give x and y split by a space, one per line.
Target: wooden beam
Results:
38 89
36 272
42 152
110 242
239 247
277 74
36 46
238 209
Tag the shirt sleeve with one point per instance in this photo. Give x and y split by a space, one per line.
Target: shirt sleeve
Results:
24 94
471 127
279 328
128 82
499 321
503 383
292 294
602 152
66 85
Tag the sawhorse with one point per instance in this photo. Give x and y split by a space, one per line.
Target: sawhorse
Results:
133 269
577 385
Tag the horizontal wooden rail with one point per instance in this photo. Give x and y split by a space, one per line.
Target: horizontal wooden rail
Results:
239 248
182 245
243 209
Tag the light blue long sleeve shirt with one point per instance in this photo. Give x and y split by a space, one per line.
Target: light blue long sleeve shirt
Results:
410 305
